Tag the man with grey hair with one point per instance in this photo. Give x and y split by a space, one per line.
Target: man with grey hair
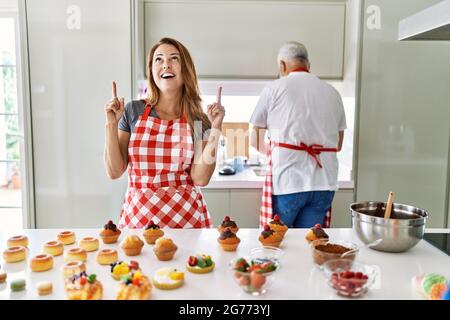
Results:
305 121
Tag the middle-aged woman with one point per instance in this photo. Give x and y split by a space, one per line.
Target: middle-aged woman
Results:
167 142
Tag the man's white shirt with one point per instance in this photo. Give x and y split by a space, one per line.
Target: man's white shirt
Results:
301 108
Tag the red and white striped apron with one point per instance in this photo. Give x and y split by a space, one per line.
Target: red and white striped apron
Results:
160 187
266 213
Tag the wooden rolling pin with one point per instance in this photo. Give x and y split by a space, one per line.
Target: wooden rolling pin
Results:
387 213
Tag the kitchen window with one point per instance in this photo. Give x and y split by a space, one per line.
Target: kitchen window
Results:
10 120
240 98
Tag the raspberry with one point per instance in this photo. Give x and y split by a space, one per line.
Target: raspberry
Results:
266 228
318 226
227 218
276 218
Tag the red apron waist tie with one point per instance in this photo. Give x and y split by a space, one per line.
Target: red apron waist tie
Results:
313 150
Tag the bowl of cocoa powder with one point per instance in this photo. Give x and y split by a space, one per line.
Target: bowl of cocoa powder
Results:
324 250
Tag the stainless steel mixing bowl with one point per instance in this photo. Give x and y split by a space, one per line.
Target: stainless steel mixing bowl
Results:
401 232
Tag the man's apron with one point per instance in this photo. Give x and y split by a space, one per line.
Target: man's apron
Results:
160 188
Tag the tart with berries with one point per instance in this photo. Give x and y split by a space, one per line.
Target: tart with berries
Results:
316 233
278 225
228 223
134 286
110 233
122 268
168 278
200 263
152 232
270 238
84 287
228 240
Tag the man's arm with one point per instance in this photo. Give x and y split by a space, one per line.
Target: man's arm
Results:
341 140
257 139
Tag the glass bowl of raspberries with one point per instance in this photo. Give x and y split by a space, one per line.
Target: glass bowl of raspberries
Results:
349 278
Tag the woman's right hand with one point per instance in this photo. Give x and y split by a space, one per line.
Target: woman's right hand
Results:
114 108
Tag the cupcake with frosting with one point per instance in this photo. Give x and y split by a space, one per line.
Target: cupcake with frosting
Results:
228 240
269 237
110 233
152 232
228 223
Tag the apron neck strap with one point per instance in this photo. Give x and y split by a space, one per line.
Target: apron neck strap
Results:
300 69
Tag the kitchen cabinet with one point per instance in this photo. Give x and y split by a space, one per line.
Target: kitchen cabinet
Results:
76 50
243 206
209 29
218 204
404 114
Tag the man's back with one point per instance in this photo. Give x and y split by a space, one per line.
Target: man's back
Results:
301 108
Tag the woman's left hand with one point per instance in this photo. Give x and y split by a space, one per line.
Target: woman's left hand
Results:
216 112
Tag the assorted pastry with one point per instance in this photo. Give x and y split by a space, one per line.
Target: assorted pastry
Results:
3 276
134 286
228 223
55 248
73 268
164 249
89 244
67 237
200 263
168 278
17 241
132 245
278 226
107 256
316 233
122 268
44 288
228 240
110 233
83 287
41 262
15 254
75 254
18 285
432 286
152 232
269 237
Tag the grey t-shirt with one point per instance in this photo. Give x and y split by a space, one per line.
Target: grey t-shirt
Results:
133 110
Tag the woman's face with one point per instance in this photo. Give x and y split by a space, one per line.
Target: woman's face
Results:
166 68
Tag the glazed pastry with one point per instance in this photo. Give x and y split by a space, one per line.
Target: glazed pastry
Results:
89 244
132 245
110 233
278 226
84 287
121 268
107 256
44 288
228 223
55 248
75 254
168 278
134 286
165 249
73 268
17 241
3 276
270 238
15 254
200 263
152 233
67 237
228 240
432 286
41 262
316 233
18 285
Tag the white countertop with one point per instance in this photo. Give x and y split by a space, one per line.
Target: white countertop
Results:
297 278
248 179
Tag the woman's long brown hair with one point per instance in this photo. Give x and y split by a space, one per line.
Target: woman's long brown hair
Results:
190 98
